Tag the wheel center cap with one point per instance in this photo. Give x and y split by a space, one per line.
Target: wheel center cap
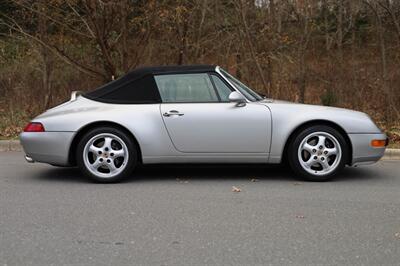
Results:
319 153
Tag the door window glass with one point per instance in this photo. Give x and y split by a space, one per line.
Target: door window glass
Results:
186 88
246 91
222 88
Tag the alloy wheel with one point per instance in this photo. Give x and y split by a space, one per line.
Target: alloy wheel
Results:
105 155
319 153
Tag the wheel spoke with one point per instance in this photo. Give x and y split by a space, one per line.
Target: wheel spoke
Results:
325 164
107 142
94 149
331 151
96 164
308 147
118 153
111 166
321 141
310 162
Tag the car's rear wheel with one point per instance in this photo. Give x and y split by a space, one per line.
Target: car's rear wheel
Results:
106 154
318 153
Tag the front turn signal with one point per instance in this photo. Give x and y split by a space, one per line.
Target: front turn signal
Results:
34 127
379 143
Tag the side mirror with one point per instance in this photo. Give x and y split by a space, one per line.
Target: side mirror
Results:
236 97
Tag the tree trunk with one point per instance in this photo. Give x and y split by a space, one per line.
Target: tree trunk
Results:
340 30
302 77
46 60
301 53
326 25
385 85
124 33
251 47
182 47
279 19
238 65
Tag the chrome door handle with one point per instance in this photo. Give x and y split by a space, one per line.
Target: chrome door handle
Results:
172 112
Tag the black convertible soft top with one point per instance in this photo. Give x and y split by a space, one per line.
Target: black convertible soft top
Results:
139 86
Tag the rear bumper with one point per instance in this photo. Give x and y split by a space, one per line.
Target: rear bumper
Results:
47 147
363 152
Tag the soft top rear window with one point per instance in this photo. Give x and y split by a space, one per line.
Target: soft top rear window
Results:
141 90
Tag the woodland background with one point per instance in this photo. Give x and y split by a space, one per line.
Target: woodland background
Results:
342 53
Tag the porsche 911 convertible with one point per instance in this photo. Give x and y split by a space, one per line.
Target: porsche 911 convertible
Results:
196 114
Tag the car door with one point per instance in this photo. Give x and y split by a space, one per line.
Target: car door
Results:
200 119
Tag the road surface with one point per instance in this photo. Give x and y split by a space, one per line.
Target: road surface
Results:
175 215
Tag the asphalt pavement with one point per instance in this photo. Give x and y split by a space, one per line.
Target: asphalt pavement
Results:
188 215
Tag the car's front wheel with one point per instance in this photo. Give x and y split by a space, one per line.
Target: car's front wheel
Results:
318 153
106 154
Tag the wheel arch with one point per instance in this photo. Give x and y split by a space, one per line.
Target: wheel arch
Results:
314 123
90 126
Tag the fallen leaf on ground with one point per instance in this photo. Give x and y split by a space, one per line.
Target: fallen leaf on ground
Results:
300 216
255 180
297 184
397 235
236 189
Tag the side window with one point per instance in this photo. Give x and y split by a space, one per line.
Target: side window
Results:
186 88
222 88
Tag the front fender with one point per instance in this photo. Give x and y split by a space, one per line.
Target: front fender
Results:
287 117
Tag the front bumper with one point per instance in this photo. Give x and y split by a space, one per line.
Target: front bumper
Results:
47 147
363 152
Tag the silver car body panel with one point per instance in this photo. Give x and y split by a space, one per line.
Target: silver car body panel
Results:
47 147
365 153
218 127
206 132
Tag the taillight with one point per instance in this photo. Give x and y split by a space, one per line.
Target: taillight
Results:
34 127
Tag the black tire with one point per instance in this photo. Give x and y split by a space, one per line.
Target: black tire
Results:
132 152
296 165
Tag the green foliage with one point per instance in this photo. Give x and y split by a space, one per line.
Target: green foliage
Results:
329 98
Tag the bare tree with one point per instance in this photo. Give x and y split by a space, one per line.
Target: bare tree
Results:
242 8
393 9
302 16
102 24
389 105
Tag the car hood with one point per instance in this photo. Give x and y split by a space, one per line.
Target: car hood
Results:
310 107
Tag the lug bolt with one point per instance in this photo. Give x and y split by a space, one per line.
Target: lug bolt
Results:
112 154
325 152
320 147
101 159
106 148
99 152
108 161
315 157
314 150
322 158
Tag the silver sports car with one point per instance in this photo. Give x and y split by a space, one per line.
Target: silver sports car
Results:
196 114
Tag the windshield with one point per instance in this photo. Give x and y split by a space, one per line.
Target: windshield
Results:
246 91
